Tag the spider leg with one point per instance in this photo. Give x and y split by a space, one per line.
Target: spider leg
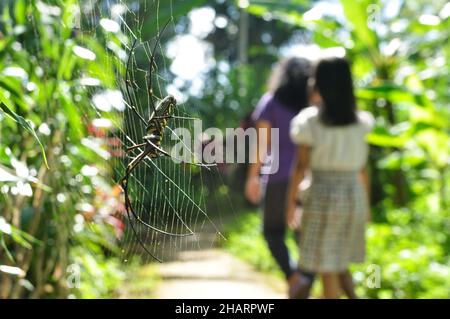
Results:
128 149
207 166
202 165
174 117
132 165
153 64
127 83
128 206
159 149
141 243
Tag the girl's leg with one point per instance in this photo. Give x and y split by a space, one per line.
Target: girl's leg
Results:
346 283
274 230
274 226
275 239
331 286
300 285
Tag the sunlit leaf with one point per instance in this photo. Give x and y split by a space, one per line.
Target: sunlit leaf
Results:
6 176
21 121
83 53
381 137
10 270
359 15
437 145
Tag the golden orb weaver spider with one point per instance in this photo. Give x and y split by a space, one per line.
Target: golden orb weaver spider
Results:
150 148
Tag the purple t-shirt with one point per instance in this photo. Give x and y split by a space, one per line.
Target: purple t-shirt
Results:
279 116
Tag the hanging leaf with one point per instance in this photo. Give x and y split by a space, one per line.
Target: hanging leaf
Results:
21 121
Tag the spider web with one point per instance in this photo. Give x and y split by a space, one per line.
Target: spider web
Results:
168 195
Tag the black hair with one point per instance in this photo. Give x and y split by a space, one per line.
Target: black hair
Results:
333 81
289 82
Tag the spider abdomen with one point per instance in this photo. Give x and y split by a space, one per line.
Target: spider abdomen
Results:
159 119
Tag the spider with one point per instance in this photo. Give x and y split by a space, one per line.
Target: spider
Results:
151 146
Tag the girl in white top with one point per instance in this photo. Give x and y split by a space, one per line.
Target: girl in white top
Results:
331 144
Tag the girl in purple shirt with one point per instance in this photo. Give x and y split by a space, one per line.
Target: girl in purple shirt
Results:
287 96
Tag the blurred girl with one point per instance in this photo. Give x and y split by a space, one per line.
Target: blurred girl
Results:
331 143
286 97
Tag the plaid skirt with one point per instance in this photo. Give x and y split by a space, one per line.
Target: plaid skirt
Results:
334 218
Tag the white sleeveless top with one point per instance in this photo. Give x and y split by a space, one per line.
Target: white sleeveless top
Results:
340 148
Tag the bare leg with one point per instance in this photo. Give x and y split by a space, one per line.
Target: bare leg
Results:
293 279
330 284
299 286
346 282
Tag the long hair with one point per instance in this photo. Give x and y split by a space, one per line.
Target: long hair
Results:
333 81
289 82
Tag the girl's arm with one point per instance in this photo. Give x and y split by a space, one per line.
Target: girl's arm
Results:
301 164
258 153
364 175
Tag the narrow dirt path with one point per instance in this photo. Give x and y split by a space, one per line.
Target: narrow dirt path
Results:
209 272
215 274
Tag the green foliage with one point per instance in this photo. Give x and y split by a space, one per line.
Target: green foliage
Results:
412 252
224 105
52 214
401 76
141 282
21 121
100 276
245 240
19 237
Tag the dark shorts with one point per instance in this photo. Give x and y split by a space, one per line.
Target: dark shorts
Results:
273 206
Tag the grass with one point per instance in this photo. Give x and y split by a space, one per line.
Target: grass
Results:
141 282
245 241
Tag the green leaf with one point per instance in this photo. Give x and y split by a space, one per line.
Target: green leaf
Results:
280 5
21 121
436 144
356 12
394 93
381 137
429 116
166 12
5 248
20 12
